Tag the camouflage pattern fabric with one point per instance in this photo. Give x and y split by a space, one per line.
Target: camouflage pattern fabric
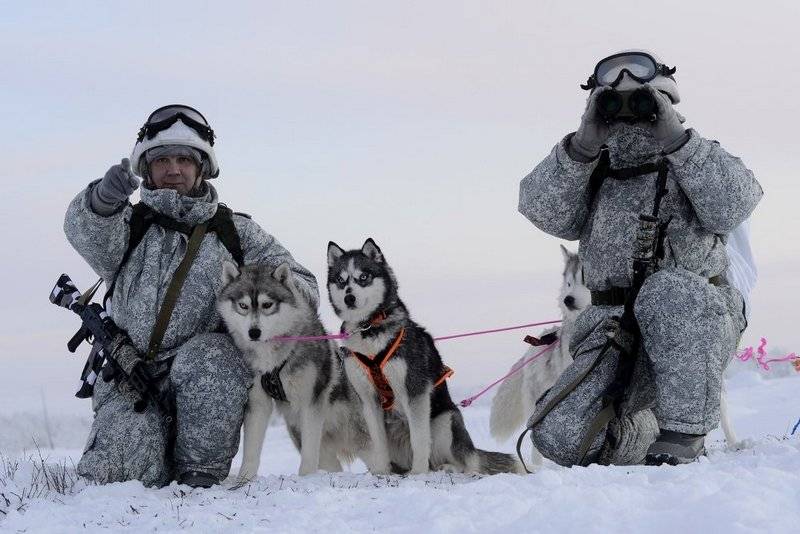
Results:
689 326
208 376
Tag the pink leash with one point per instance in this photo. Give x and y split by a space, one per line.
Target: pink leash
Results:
761 358
469 400
345 335
481 332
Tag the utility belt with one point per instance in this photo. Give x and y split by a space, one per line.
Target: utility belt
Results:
616 296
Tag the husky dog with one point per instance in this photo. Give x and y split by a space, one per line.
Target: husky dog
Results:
304 379
394 367
516 398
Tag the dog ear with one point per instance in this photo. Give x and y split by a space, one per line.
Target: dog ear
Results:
283 274
229 272
565 253
334 253
372 251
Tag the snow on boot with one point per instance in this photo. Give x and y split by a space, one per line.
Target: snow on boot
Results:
198 479
675 448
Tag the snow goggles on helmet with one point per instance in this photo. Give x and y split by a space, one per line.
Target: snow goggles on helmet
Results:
640 66
164 117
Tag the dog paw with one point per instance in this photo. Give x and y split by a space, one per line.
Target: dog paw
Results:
448 468
382 469
247 472
306 470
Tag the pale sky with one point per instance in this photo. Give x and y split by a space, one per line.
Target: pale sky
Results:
409 122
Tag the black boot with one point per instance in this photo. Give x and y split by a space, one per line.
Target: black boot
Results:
198 479
675 448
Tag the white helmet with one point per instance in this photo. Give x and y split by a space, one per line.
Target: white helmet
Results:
176 124
629 69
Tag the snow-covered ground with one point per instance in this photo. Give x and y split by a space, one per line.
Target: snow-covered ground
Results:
753 489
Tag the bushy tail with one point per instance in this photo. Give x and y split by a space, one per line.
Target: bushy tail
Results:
508 413
492 463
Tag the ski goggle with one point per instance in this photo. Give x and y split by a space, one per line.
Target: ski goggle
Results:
164 117
640 66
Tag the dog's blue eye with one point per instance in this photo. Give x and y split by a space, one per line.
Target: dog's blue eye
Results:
340 280
243 306
364 277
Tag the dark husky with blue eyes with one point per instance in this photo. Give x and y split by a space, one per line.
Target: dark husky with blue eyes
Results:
393 365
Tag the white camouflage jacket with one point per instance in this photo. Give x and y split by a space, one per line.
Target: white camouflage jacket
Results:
143 280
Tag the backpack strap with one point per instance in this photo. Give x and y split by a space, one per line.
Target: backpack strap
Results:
222 224
599 175
142 218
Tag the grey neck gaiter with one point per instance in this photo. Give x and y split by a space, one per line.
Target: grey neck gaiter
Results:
630 145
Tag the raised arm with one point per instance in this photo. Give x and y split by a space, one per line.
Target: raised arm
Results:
555 195
723 192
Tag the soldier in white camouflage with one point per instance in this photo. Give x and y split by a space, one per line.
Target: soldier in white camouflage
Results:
196 363
689 316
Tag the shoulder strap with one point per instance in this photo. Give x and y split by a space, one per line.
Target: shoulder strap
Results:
222 224
141 219
598 176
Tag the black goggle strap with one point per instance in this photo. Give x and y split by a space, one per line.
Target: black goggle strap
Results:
151 129
590 84
662 69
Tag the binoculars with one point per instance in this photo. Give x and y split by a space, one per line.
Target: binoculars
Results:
627 105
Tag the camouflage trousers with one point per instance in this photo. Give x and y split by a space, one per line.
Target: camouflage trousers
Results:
209 380
689 329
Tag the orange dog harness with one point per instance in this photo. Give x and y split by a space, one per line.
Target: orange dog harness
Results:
373 366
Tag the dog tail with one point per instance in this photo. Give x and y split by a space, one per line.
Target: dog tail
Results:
493 463
507 413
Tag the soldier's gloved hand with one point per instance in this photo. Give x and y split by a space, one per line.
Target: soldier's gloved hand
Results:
667 130
113 190
141 381
593 131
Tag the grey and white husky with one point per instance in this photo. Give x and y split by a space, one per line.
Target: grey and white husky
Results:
304 378
393 365
516 398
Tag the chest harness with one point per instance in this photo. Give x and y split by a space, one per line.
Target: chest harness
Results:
142 218
373 365
625 338
271 382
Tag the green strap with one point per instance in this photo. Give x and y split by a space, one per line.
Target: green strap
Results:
174 289
598 423
558 398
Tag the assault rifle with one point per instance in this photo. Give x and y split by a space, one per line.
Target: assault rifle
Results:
112 355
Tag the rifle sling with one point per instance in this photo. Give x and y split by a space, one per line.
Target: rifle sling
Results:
174 289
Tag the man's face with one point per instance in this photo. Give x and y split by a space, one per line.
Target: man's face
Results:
180 173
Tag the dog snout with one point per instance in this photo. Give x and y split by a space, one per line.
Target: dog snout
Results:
350 300
255 333
569 302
